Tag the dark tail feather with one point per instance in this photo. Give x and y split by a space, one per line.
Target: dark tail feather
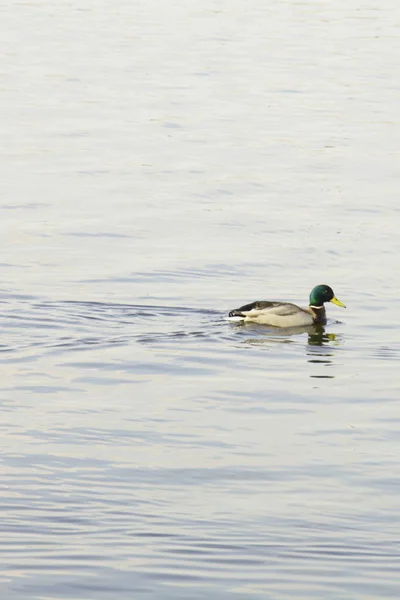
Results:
236 313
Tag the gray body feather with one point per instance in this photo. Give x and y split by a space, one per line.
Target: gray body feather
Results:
279 314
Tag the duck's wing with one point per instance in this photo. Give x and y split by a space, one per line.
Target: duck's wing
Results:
280 309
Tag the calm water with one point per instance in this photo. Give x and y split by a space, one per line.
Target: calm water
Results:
162 163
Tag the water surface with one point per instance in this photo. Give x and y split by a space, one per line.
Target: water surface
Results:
161 165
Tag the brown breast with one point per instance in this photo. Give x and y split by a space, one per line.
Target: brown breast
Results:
319 314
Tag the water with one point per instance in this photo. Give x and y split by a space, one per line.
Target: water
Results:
163 163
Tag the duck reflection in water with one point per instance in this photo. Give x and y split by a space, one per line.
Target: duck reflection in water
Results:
317 334
320 337
320 351
320 343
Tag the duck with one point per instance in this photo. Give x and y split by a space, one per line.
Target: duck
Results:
286 314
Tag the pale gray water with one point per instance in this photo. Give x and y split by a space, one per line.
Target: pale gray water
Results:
162 163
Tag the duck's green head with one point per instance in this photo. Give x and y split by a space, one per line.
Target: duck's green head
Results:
323 293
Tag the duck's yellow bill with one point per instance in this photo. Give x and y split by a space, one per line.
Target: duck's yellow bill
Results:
336 301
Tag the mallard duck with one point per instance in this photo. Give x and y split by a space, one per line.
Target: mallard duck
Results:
285 314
